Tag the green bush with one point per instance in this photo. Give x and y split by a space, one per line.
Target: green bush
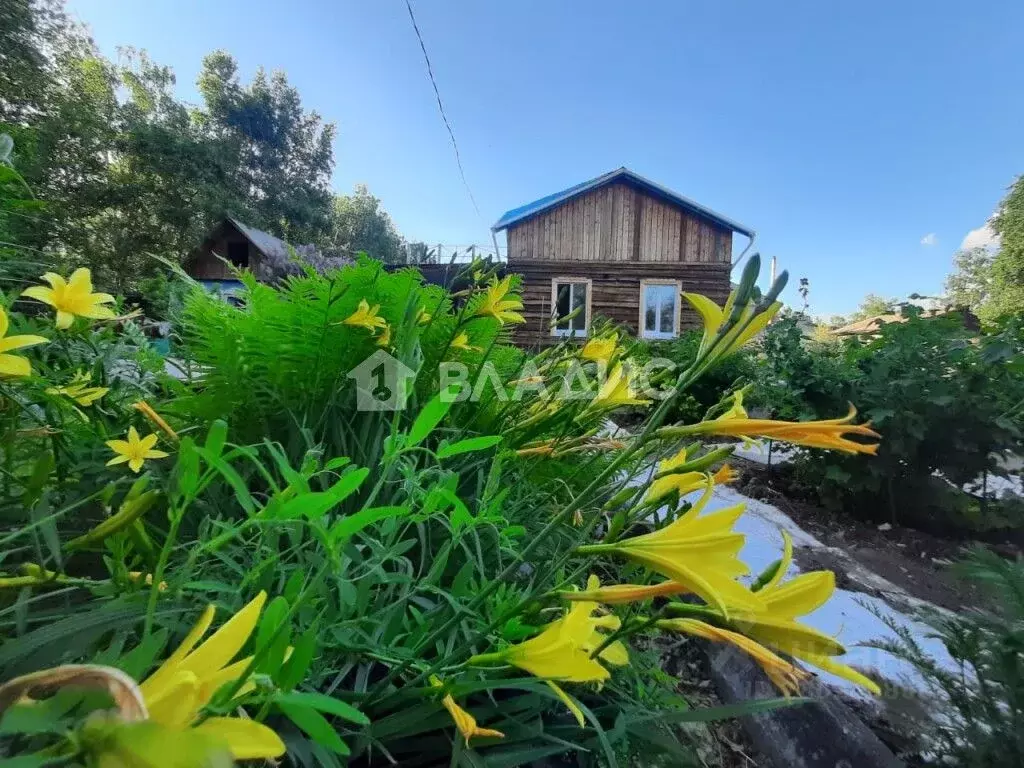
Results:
948 401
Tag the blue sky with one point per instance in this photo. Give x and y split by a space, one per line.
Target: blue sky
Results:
844 134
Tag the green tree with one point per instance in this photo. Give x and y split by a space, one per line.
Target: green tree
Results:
276 154
872 305
1007 297
360 223
127 170
971 283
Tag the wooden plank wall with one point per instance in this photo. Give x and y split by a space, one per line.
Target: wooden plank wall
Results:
619 223
616 291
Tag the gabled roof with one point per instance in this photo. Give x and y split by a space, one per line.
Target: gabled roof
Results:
627 176
277 256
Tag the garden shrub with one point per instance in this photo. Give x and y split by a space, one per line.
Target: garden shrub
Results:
948 401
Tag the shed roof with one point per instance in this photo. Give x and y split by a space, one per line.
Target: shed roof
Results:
278 261
627 176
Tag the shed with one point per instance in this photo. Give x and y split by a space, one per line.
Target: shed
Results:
232 244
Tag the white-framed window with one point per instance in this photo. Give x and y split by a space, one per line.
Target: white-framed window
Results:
659 309
569 294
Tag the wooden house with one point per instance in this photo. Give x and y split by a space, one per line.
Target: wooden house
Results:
620 246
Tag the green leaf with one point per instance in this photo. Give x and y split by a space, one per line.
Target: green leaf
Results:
322 703
273 617
337 463
316 504
37 480
232 477
468 446
433 413
294 670
29 718
315 726
351 525
216 436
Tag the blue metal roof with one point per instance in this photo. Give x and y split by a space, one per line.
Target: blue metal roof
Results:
529 210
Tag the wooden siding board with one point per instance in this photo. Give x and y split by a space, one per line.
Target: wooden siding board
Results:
615 290
619 223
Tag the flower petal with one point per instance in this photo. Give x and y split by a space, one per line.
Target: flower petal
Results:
119 459
224 644
135 464
10 343
177 703
154 683
800 595
569 702
151 454
148 441
98 312
12 365
247 739
64 319
841 670
39 293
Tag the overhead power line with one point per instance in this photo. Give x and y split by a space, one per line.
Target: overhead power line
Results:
440 107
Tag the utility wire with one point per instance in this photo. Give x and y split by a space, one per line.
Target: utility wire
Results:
440 107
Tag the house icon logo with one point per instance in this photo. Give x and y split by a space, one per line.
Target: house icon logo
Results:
382 381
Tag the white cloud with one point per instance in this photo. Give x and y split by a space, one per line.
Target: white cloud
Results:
982 237
930 239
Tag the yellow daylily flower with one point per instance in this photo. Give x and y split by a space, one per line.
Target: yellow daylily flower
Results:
770 615
826 433
179 689
134 450
616 391
562 650
600 350
497 306
72 298
461 341
423 317
714 316
15 365
684 482
78 389
366 317
698 551
155 418
464 721
781 672
385 338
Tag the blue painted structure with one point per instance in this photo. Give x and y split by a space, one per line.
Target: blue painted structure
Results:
624 175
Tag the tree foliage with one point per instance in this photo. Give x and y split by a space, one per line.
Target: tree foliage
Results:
360 223
948 402
128 170
971 284
1008 264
